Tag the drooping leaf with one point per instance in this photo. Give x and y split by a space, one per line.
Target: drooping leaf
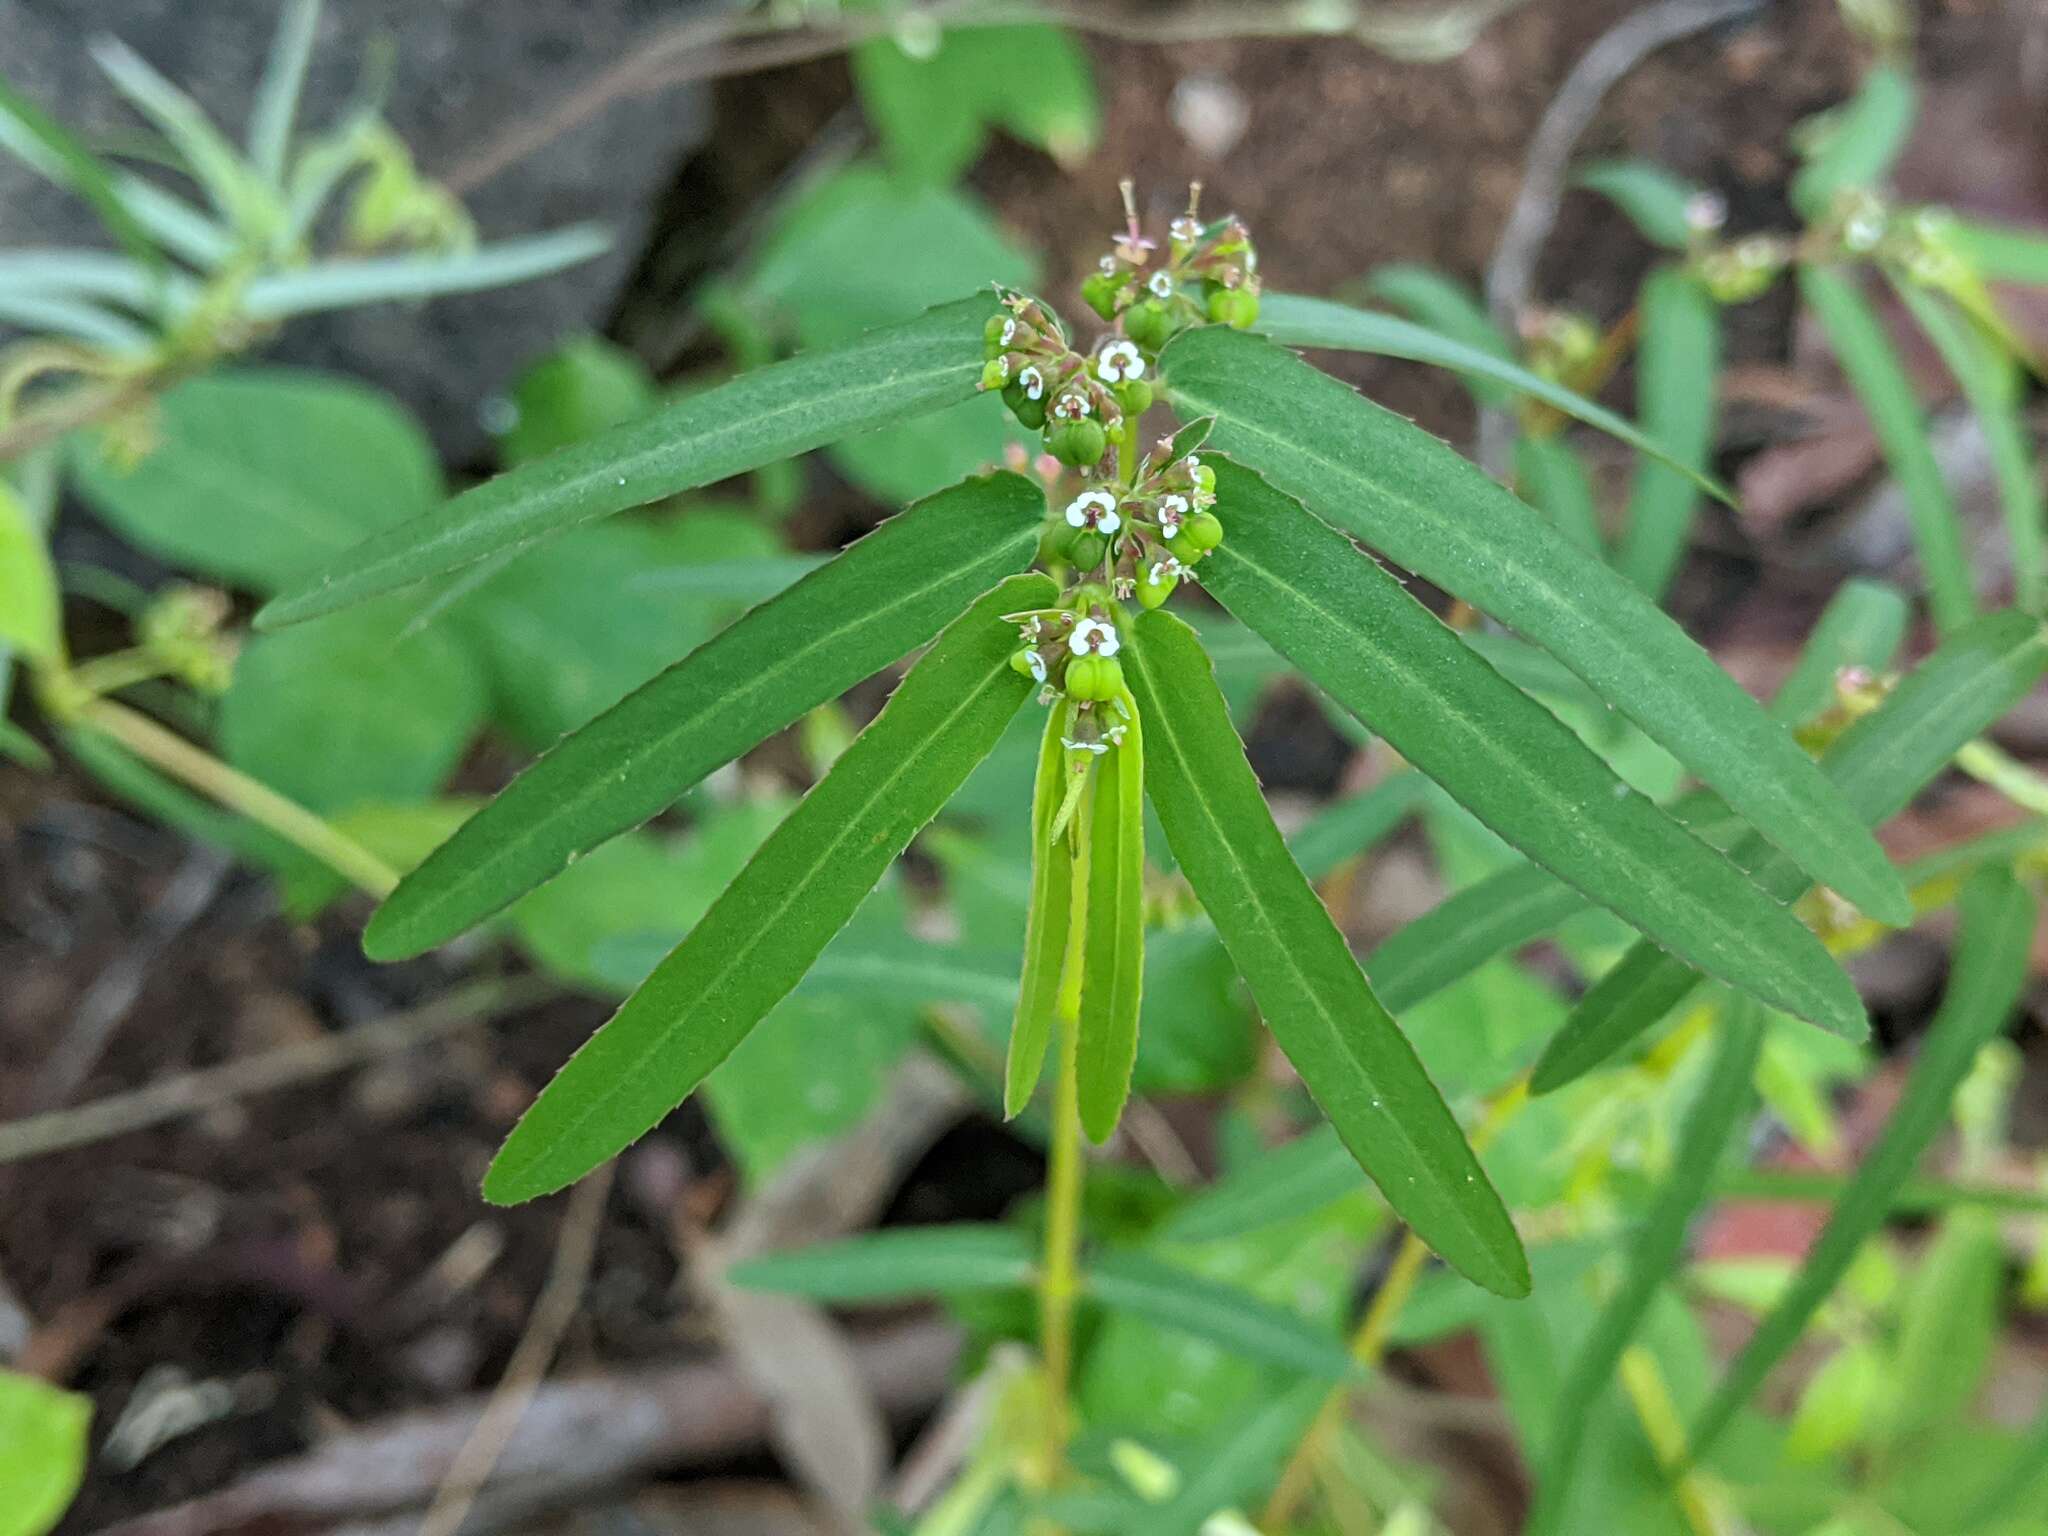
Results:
1855 145
1113 949
1677 373
1295 321
1444 304
1224 1315
763 933
1314 998
1431 511
1878 764
885 595
1878 375
895 1264
816 398
1716 1117
1046 925
43 1444
1361 637
1998 917
1654 199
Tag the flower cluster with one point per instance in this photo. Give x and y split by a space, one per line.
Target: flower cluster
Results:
1082 404
1143 538
1211 273
1072 649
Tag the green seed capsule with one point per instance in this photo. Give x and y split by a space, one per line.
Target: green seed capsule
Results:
1056 543
1030 413
1087 548
1079 443
1028 663
1237 308
1149 324
995 374
1152 593
992 334
1094 677
1202 532
1205 480
1099 291
1135 396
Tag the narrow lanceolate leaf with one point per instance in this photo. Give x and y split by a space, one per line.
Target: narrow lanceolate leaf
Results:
1363 639
885 376
1356 825
1655 201
1677 366
1113 952
1862 626
1551 475
1046 922
1879 378
1858 141
2001 253
1221 1314
1496 916
1879 764
1998 917
1426 508
1715 1119
798 890
884 596
896 1265
1347 1048
1295 321
1991 382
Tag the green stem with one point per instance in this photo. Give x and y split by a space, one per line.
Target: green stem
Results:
118 670
2018 783
171 753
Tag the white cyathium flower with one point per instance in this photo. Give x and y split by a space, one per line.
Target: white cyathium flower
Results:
1037 665
1186 230
1092 637
1097 747
1114 735
1161 285
1173 511
1094 509
1108 264
1032 382
1165 570
1119 360
1073 406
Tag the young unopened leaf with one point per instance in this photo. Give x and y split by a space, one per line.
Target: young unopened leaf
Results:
1348 1050
1879 764
882 597
788 408
1429 510
1998 917
1113 952
1046 922
1361 637
1677 369
764 932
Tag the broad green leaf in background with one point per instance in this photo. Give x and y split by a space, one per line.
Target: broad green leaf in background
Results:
1991 381
1361 637
1551 475
1998 918
1431 511
932 111
1280 1184
1863 625
1046 923
1878 764
882 597
256 475
585 386
1113 947
787 408
1879 378
42 1452
1654 200
30 611
1654 1254
1677 378
1315 1000
351 710
1855 145
763 933
1302 322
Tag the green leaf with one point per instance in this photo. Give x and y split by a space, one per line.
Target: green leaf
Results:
51 149
259 474
1362 638
932 112
2000 253
1998 917
205 153
755 419
895 1265
882 597
1301 322
349 282
1716 1118
764 932
1878 764
1878 376
1992 383
1427 509
1855 145
31 615
1225 1315
1280 1184
1862 626
349 710
1046 924
1443 304
1552 477
1678 367
1242 1465
1315 1000
277 93
585 386
1654 200
1348 828
1951 1323
42 1453
1113 946
1494 917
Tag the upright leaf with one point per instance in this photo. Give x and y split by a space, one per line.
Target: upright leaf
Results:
1361 637
1429 510
1654 1253
1315 1000
1998 918
1677 373
1046 922
1862 626
1113 952
1855 145
1879 378
763 933
816 398
1879 764
882 597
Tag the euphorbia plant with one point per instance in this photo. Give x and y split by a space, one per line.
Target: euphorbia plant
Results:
1258 496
